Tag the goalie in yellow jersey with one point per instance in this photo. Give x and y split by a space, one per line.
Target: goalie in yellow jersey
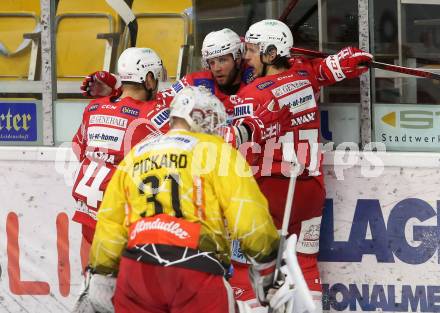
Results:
169 214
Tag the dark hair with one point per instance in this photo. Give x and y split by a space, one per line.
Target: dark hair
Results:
281 62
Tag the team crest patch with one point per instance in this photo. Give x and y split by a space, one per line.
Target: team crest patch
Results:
208 83
93 107
130 111
265 84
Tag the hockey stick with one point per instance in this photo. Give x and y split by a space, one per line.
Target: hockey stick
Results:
294 294
285 224
292 4
127 16
374 64
304 18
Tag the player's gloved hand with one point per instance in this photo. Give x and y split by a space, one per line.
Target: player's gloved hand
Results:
262 276
96 295
290 292
353 61
101 291
281 295
348 63
101 84
230 134
83 303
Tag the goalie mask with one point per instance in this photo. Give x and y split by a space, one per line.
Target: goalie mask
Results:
135 63
203 111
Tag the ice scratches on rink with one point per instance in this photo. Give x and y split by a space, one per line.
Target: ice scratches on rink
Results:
10 303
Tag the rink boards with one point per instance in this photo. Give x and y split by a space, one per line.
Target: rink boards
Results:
379 237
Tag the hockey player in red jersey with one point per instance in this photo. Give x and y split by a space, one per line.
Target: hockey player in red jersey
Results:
111 126
223 74
279 110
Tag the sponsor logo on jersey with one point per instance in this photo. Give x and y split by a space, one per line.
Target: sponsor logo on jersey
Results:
289 87
299 101
306 118
100 156
164 229
208 83
243 110
308 241
174 141
130 111
237 292
265 84
104 137
161 118
81 207
284 77
237 255
303 73
109 106
108 120
93 107
177 86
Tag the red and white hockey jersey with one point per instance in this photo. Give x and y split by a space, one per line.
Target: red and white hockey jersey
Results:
290 96
109 129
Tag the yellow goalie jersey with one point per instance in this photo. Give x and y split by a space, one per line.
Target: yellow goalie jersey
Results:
178 200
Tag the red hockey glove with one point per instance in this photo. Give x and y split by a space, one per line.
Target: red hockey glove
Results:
101 84
234 135
346 64
351 58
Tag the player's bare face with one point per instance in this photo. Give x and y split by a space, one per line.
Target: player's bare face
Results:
223 69
252 57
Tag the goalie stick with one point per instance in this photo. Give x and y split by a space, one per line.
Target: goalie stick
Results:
285 225
127 16
374 64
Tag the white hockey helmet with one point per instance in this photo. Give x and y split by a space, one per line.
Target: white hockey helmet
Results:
203 111
219 43
269 33
135 63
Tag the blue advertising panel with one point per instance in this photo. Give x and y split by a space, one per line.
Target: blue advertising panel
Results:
18 121
380 239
